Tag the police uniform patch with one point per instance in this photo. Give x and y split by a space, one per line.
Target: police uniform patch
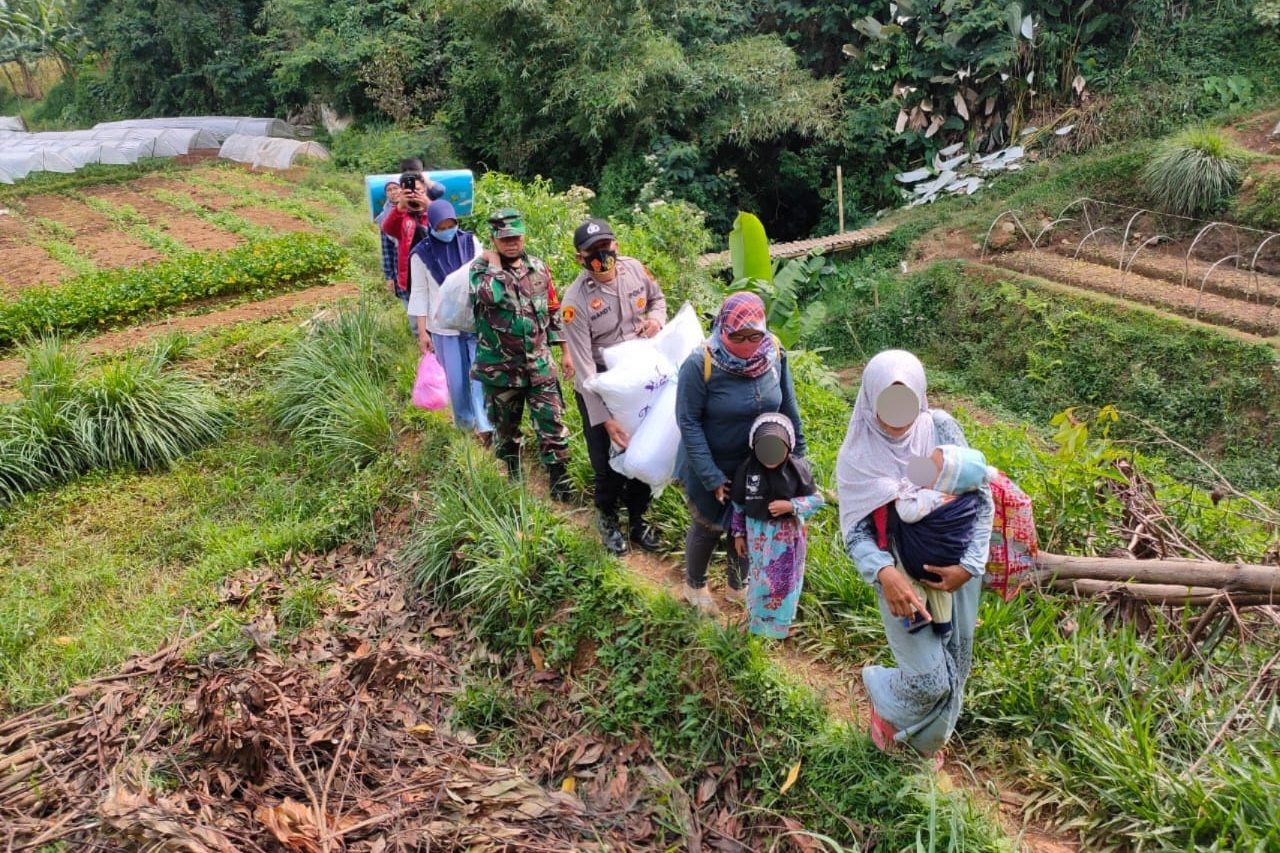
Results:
596 304
568 313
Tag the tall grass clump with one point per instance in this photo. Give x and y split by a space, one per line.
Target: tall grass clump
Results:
331 391
132 413
37 434
1193 172
1132 739
136 414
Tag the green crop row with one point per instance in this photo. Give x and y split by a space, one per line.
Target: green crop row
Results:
108 297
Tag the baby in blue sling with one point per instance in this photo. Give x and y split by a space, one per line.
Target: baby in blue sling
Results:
931 522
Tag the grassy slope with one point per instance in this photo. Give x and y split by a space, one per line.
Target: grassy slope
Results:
76 577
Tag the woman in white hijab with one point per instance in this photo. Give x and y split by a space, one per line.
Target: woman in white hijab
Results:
918 701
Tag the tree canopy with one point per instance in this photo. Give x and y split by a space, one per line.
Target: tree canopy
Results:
726 104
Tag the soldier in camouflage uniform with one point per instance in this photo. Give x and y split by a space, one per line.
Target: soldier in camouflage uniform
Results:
517 321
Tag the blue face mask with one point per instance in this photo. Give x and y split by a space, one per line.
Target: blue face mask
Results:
447 235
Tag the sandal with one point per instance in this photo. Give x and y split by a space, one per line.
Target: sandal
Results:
882 734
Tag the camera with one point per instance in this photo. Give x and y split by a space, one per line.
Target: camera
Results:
411 182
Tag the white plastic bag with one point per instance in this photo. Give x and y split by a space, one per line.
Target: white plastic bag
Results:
651 455
456 310
681 336
636 376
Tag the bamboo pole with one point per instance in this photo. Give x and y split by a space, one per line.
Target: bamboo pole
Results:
840 195
1171 594
1231 577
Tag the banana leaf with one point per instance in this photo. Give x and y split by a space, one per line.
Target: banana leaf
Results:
749 249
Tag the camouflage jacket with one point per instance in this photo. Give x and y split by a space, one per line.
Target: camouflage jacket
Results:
517 320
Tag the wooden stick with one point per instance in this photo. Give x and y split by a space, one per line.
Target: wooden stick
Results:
1157 593
840 195
1233 577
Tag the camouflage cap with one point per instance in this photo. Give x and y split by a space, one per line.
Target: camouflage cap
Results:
507 222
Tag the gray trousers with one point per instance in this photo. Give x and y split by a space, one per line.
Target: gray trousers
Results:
699 544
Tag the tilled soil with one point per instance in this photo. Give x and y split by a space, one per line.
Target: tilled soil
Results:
1257 318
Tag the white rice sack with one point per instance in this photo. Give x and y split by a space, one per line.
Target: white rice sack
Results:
636 376
651 455
681 336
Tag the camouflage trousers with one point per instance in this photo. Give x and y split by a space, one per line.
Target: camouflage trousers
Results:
505 408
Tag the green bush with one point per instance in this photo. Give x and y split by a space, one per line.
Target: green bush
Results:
668 237
331 390
1194 172
109 297
137 415
378 150
75 101
1257 205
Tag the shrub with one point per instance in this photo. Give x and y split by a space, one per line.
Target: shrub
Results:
376 150
667 237
1194 172
134 413
1258 203
137 415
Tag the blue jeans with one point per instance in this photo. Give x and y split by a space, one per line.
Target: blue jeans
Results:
456 354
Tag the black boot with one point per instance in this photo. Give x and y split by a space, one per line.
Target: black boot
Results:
645 537
611 534
561 488
512 461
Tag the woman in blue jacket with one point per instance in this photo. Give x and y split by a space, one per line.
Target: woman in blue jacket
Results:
723 387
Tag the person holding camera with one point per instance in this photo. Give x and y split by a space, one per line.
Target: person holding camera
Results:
613 299
392 191
407 223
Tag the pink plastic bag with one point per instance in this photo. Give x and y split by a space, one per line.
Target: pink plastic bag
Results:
429 388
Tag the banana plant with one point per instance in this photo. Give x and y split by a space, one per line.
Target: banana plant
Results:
753 271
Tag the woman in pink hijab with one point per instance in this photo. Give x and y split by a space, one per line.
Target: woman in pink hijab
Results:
740 374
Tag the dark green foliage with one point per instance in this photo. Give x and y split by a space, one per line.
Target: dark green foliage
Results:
76 101
177 57
112 296
1038 352
379 58
686 84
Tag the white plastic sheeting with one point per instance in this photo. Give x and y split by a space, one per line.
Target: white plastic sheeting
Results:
262 142
12 123
220 127
268 152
